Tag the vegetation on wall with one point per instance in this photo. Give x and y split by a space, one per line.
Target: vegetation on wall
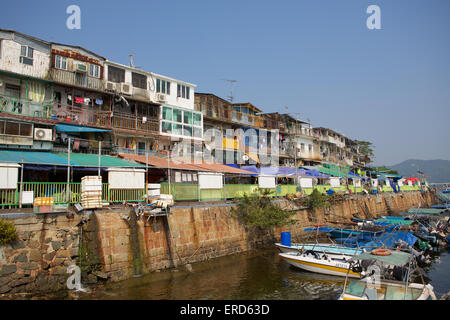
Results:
8 232
315 200
260 211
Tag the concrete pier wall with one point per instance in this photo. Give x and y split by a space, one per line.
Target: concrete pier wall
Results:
114 247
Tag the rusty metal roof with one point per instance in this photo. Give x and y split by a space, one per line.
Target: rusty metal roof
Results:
159 162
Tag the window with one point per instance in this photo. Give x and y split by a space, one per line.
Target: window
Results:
197 119
139 80
94 70
163 86
116 74
187 117
26 55
166 127
181 122
183 91
167 113
187 131
177 115
60 62
16 129
177 129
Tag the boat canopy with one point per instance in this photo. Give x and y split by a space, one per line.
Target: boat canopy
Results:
397 258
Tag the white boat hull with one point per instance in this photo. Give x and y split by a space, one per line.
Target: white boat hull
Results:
329 249
323 266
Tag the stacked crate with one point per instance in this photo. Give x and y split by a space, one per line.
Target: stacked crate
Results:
91 192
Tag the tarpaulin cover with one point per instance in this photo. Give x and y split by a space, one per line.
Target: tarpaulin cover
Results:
73 128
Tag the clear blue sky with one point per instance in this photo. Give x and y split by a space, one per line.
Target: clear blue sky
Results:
389 86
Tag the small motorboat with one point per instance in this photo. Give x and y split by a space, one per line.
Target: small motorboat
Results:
314 261
387 276
334 250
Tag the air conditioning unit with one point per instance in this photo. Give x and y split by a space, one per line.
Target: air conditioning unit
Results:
161 97
43 134
126 88
110 86
80 67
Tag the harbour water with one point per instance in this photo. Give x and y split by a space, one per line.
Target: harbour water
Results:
257 275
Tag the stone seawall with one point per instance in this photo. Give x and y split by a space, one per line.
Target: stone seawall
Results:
115 247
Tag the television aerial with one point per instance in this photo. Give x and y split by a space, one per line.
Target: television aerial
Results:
230 97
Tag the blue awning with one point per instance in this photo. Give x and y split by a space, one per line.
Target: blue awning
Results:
74 128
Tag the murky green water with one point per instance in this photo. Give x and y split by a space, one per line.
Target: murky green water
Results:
257 275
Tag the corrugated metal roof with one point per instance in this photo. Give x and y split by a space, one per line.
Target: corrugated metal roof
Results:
32 157
159 162
91 160
60 159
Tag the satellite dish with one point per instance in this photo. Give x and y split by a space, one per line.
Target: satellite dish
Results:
245 157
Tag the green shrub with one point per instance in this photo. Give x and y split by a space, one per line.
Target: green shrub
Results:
8 232
260 211
317 200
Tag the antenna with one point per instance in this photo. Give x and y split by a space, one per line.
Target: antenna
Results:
231 88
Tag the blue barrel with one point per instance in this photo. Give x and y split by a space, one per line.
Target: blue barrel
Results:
286 239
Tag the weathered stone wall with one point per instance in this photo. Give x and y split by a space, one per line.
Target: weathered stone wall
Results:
117 247
38 260
200 233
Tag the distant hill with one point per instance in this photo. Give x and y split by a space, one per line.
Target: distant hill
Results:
435 170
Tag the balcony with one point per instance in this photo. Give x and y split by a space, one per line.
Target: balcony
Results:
76 79
129 122
248 119
116 120
24 107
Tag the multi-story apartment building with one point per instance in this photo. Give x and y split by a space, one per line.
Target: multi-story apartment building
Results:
335 148
25 92
241 130
298 145
44 85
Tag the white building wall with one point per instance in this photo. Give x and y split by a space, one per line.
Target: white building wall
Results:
170 99
10 56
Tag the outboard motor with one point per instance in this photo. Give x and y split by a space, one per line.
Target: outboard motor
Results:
399 273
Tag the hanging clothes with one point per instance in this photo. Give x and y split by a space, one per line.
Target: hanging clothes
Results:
76 144
36 91
79 100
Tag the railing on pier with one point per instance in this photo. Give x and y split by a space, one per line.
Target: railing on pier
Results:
179 191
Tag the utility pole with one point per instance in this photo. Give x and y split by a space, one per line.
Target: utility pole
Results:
68 171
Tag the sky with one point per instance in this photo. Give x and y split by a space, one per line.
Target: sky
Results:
314 59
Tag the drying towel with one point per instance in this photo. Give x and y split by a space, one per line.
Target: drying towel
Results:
79 100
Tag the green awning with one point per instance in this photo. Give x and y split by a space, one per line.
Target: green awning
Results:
60 159
31 157
91 160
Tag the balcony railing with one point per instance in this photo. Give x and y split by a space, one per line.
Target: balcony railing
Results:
76 79
129 122
25 107
249 119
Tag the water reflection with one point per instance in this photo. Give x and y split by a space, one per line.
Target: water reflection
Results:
257 275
